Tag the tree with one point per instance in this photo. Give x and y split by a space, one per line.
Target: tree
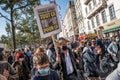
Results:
15 10
3 39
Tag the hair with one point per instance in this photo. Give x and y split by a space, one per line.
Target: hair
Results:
40 58
39 50
113 38
23 49
19 55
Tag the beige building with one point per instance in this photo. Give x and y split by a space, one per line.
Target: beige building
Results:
102 17
69 26
98 16
79 16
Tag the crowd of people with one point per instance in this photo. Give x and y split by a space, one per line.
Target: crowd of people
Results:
78 60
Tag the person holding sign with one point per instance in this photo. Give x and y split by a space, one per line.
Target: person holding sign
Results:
67 61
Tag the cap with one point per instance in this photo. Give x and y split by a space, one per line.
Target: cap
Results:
50 43
63 39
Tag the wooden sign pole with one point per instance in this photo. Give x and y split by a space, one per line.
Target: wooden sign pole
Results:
53 39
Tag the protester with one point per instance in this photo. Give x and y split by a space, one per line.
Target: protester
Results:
67 59
89 62
113 50
10 58
49 51
21 67
34 69
28 53
51 54
2 77
44 72
115 74
5 68
95 48
79 62
39 49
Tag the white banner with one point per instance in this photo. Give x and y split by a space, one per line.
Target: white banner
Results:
47 20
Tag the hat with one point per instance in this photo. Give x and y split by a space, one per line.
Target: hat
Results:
49 43
63 39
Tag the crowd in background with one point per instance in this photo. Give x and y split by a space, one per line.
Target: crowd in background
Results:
78 60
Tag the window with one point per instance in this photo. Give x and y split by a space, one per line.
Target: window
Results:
97 20
112 12
86 10
94 2
90 7
89 25
104 18
92 21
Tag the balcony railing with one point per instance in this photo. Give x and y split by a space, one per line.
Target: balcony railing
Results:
101 5
86 1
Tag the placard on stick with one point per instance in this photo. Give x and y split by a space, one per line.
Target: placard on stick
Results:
47 20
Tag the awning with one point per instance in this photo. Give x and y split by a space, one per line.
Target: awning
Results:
111 29
91 35
81 37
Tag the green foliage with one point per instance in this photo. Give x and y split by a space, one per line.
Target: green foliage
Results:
19 16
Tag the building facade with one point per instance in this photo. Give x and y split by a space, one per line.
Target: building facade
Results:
79 16
69 23
102 17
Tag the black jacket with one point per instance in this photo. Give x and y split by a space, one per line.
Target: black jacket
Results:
63 64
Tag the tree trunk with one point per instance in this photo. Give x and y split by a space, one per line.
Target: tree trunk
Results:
13 29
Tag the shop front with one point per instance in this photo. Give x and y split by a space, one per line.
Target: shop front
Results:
87 36
112 28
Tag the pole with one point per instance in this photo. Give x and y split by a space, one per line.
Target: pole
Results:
53 39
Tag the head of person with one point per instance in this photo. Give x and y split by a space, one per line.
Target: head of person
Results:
41 62
28 50
69 44
88 44
39 50
113 38
81 42
63 43
50 44
23 50
17 50
117 39
93 42
20 57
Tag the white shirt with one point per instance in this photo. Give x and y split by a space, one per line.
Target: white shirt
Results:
69 65
49 53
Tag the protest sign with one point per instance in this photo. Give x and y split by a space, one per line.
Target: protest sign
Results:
47 20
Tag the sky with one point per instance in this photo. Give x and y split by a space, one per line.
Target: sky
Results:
62 9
